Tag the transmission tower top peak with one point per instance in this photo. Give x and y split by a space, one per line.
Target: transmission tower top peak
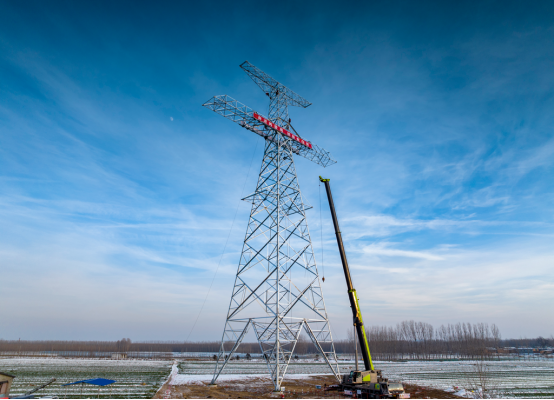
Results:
276 127
272 88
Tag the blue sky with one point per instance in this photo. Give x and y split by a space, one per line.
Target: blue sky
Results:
118 190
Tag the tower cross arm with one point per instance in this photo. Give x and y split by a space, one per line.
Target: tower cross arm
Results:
272 87
247 118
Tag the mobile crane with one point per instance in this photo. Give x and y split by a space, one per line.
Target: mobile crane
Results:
369 383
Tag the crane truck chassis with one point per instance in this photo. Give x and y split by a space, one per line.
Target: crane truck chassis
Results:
369 383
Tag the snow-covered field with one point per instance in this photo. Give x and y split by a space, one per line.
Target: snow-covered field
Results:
509 378
135 378
142 378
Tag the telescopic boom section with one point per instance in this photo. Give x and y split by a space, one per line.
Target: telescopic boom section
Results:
358 322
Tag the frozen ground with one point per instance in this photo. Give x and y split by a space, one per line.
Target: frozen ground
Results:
206 378
135 378
142 378
509 378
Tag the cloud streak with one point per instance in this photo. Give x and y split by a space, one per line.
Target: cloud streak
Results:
384 250
118 190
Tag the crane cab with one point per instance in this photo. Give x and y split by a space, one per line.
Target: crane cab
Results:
371 383
363 377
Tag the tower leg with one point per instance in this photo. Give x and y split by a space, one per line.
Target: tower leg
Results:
227 357
335 369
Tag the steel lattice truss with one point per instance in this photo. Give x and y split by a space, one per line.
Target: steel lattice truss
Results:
277 290
271 86
243 115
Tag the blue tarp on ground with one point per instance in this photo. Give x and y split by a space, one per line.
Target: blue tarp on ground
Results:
95 381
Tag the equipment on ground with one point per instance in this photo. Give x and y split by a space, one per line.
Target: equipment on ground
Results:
277 290
396 390
370 382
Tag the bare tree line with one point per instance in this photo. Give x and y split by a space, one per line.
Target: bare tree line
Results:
406 340
420 340
86 348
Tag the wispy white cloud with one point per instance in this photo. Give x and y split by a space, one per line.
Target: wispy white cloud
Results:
118 189
457 283
387 225
384 249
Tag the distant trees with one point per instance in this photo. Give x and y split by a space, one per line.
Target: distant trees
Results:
406 340
105 348
304 345
420 340
123 345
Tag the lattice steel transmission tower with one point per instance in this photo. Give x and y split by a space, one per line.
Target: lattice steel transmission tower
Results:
277 290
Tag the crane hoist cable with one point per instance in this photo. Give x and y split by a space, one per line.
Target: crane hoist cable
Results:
321 234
